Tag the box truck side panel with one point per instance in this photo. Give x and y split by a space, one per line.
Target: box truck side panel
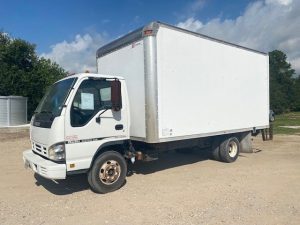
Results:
128 62
206 87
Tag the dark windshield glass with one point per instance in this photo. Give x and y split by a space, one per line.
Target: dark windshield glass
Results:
55 97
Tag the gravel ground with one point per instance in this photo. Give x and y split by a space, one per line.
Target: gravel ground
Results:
259 188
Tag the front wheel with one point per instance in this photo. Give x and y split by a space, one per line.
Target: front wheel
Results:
108 172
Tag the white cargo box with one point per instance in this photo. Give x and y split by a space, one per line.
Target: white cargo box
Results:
185 85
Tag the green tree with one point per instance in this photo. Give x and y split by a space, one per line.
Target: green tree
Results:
297 94
282 83
23 73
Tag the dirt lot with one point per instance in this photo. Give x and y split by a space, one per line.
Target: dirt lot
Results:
260 188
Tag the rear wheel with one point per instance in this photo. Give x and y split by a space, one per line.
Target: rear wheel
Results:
229 149
215 151
184 150
108 172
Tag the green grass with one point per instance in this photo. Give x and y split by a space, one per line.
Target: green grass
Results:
288 119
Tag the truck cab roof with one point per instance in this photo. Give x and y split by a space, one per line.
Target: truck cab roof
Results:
94 75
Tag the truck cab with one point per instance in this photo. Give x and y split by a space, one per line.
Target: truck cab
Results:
76 120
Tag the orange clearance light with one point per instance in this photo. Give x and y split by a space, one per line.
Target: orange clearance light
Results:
72 165
148 32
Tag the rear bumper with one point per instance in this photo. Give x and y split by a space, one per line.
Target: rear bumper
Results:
44 167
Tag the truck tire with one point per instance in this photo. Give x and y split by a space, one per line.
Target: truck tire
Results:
215 150
108 172
229 149
184 150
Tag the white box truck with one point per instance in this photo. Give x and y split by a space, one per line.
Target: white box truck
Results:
158 88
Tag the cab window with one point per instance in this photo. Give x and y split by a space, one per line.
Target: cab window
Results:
91 97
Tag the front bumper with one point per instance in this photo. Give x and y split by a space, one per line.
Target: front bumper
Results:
44 167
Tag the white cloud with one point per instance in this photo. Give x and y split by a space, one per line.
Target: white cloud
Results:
191 8
264 25
196 6
77 55
191 24
281 2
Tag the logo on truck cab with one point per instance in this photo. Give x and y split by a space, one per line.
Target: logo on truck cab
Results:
72 138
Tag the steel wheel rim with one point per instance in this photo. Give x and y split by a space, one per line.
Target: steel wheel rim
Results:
110 172
232 149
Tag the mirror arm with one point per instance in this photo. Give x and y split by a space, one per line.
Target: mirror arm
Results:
103 111
98 118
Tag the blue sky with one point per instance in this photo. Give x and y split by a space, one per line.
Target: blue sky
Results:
69 32
48 22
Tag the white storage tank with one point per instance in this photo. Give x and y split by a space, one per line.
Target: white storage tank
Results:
13 110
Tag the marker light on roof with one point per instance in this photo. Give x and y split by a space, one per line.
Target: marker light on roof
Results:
148 32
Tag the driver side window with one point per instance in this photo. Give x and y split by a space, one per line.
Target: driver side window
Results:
91 96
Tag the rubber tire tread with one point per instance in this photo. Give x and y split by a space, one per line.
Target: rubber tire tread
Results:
215 151
93 175
224 150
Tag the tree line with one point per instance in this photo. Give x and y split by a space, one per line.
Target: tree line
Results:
284 84
24 73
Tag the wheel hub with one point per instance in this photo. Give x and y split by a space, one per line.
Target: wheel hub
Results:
233 149
110 172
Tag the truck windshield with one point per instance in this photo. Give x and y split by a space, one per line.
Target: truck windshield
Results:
53 100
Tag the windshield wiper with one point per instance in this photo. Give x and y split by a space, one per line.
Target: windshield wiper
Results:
45 111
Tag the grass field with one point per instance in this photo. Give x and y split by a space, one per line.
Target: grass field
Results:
288 119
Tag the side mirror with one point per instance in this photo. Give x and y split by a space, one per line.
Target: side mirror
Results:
116 95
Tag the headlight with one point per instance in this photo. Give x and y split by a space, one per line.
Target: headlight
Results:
57 152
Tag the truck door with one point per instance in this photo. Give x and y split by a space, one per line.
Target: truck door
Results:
90 121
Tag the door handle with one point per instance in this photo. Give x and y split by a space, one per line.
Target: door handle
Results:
119 127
